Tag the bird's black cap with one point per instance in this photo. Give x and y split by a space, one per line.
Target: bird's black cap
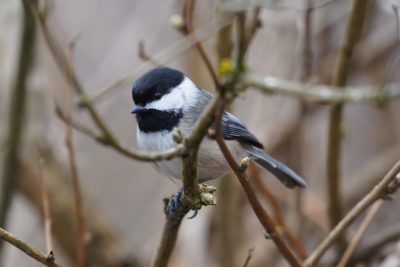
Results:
154 84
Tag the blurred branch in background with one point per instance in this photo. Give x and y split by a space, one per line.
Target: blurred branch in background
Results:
47 260
104 246
324 94
17 114
106 137
354 27
79 216
375 242
290 236
360 233
46 210
386 186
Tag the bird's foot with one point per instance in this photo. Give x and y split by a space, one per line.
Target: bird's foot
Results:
177 206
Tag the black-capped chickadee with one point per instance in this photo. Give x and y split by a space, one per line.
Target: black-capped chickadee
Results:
165 100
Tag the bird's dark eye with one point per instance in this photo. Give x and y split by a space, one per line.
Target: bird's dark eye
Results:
157 95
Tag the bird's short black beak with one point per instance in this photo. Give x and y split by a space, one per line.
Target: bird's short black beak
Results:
137 109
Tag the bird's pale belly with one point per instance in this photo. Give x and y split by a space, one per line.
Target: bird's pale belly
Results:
211 164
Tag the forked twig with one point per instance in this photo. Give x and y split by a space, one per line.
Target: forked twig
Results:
375 194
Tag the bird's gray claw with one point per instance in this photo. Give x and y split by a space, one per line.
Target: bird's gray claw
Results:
195 212
176 208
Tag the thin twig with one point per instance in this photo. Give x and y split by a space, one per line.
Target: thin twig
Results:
353 31
188 16
248 258
47 260
80 219
145 56
203 33
106 247
361 206
136 155
46 210
292 237
376 242
360 233
260 212
78 126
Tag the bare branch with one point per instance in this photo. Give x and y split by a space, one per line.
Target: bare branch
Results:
360 233
47 260
248 258
188 15
375 194
290 235
322 93
105 247
260 212
145 56
375 242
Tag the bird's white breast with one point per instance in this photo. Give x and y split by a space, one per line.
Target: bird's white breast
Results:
159 141
211 163
156 141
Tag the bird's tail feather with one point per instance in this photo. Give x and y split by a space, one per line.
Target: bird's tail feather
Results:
287 176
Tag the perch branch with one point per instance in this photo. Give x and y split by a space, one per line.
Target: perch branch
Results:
375 194
47 260
192 198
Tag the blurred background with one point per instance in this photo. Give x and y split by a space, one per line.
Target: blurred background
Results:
122 198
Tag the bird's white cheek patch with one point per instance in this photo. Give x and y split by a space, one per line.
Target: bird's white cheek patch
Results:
174 100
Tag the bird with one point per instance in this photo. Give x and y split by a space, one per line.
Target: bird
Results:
166 100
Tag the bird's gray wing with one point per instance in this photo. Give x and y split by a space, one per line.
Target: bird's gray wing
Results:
284 174
233 129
